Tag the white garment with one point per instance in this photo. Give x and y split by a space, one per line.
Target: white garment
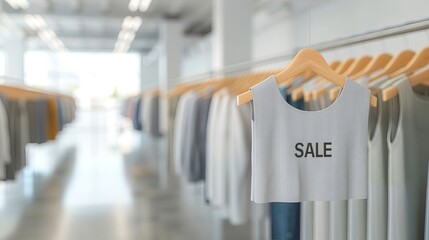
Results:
212 123
284 171
239 142
146 113
220 153
178 131
4 141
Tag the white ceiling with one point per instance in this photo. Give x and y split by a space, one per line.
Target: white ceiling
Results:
93 25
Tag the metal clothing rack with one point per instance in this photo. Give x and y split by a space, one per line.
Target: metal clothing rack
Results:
408 27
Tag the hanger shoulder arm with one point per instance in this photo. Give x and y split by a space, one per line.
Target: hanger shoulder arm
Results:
244 98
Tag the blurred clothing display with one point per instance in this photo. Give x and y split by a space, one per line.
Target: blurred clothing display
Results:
144 112
28 116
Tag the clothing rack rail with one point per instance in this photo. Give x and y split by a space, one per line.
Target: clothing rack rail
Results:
408 27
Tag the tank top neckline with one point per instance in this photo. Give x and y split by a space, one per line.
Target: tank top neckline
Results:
331 107
417 98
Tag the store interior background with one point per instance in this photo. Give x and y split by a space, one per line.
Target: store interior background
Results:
102 180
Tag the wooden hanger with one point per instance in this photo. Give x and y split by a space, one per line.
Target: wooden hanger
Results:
306 59
25 93
356 67
243 83
415 79
420 60
377 63
398 61
346 64
209 89
342 69
298 92
179 90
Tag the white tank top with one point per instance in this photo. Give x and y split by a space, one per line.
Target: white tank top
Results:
309 155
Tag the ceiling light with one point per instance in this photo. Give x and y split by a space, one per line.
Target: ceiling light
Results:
47 35
17 4
133 6
122 34
144 5
137 22
128 21
35 22
24 4
130 36
13 4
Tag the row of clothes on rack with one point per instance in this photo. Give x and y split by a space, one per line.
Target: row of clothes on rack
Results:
143 110
29 115
276 150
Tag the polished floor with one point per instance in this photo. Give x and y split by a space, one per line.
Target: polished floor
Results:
100 181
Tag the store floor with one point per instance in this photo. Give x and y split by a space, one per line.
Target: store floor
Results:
99 181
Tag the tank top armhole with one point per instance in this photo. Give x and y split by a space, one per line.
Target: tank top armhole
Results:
394 118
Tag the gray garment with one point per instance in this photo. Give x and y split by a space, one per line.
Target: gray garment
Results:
154 116
32 109
18 130
203 107
191 163
356 208
5 157
172 107
377 172
408 163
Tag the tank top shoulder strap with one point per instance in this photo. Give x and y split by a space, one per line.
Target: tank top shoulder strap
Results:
265 90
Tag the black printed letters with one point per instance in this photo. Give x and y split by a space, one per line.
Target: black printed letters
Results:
314 150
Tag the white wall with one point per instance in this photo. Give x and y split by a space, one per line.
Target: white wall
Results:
150 69
197 56
280 27
334 19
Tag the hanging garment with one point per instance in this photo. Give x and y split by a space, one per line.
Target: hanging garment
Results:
178 128
210 145
203 107
32 109
18 135
377 171
285 221
60 114
136 115
259 216
141 111
172 109
52 126
239 149
191 164
42 120
154 117
293 171
408 163
146 113
5 157
220 155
